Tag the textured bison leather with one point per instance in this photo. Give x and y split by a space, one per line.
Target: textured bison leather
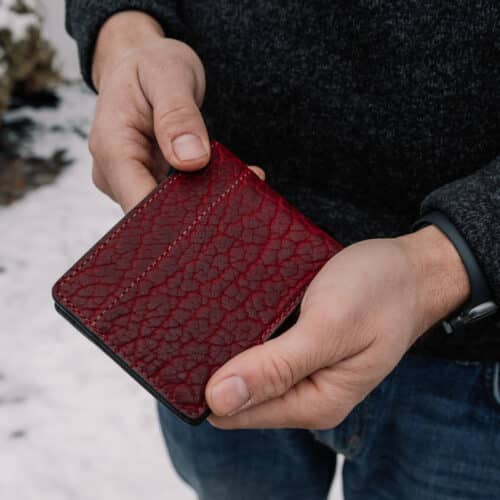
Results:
209 264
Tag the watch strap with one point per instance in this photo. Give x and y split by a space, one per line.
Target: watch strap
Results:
480 303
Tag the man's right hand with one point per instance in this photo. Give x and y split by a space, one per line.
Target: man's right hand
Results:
147 117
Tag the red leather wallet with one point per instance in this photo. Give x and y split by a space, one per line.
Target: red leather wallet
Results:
209 264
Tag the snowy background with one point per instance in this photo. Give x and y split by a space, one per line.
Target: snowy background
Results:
73 426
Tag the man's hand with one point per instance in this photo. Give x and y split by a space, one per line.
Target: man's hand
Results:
147 117
359 316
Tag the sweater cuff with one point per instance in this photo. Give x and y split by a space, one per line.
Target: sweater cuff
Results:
473 205
84 19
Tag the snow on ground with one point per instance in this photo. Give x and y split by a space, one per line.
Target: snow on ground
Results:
67 56
17 24
73 426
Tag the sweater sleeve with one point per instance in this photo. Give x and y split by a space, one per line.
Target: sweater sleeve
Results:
472 203
84 19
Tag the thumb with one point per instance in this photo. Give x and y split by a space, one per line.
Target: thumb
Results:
263 372
180 131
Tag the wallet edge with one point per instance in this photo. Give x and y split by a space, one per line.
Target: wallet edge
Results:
97 341
287 321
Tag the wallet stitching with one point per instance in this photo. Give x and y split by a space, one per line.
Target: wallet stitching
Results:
114 234
169 248
121 227
170 394
285 310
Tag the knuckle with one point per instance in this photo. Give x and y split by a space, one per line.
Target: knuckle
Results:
94 142
175 119
279 375
320 317
97 179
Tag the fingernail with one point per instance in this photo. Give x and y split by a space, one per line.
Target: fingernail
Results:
188 147
229 395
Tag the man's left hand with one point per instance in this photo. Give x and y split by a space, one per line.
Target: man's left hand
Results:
359 316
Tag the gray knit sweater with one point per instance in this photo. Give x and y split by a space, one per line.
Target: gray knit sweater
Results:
363 113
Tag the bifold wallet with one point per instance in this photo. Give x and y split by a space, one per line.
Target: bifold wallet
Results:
211 263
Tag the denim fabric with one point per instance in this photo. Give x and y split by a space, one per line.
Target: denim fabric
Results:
430 431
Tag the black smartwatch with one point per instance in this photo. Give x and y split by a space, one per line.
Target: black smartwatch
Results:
480 304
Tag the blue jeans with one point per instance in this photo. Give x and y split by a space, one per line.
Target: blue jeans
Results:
430 431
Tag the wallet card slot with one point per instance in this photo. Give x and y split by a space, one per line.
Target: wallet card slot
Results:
189 229
60 294
144 233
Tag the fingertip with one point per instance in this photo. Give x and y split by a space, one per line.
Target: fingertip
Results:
259 172
189 150
228 395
